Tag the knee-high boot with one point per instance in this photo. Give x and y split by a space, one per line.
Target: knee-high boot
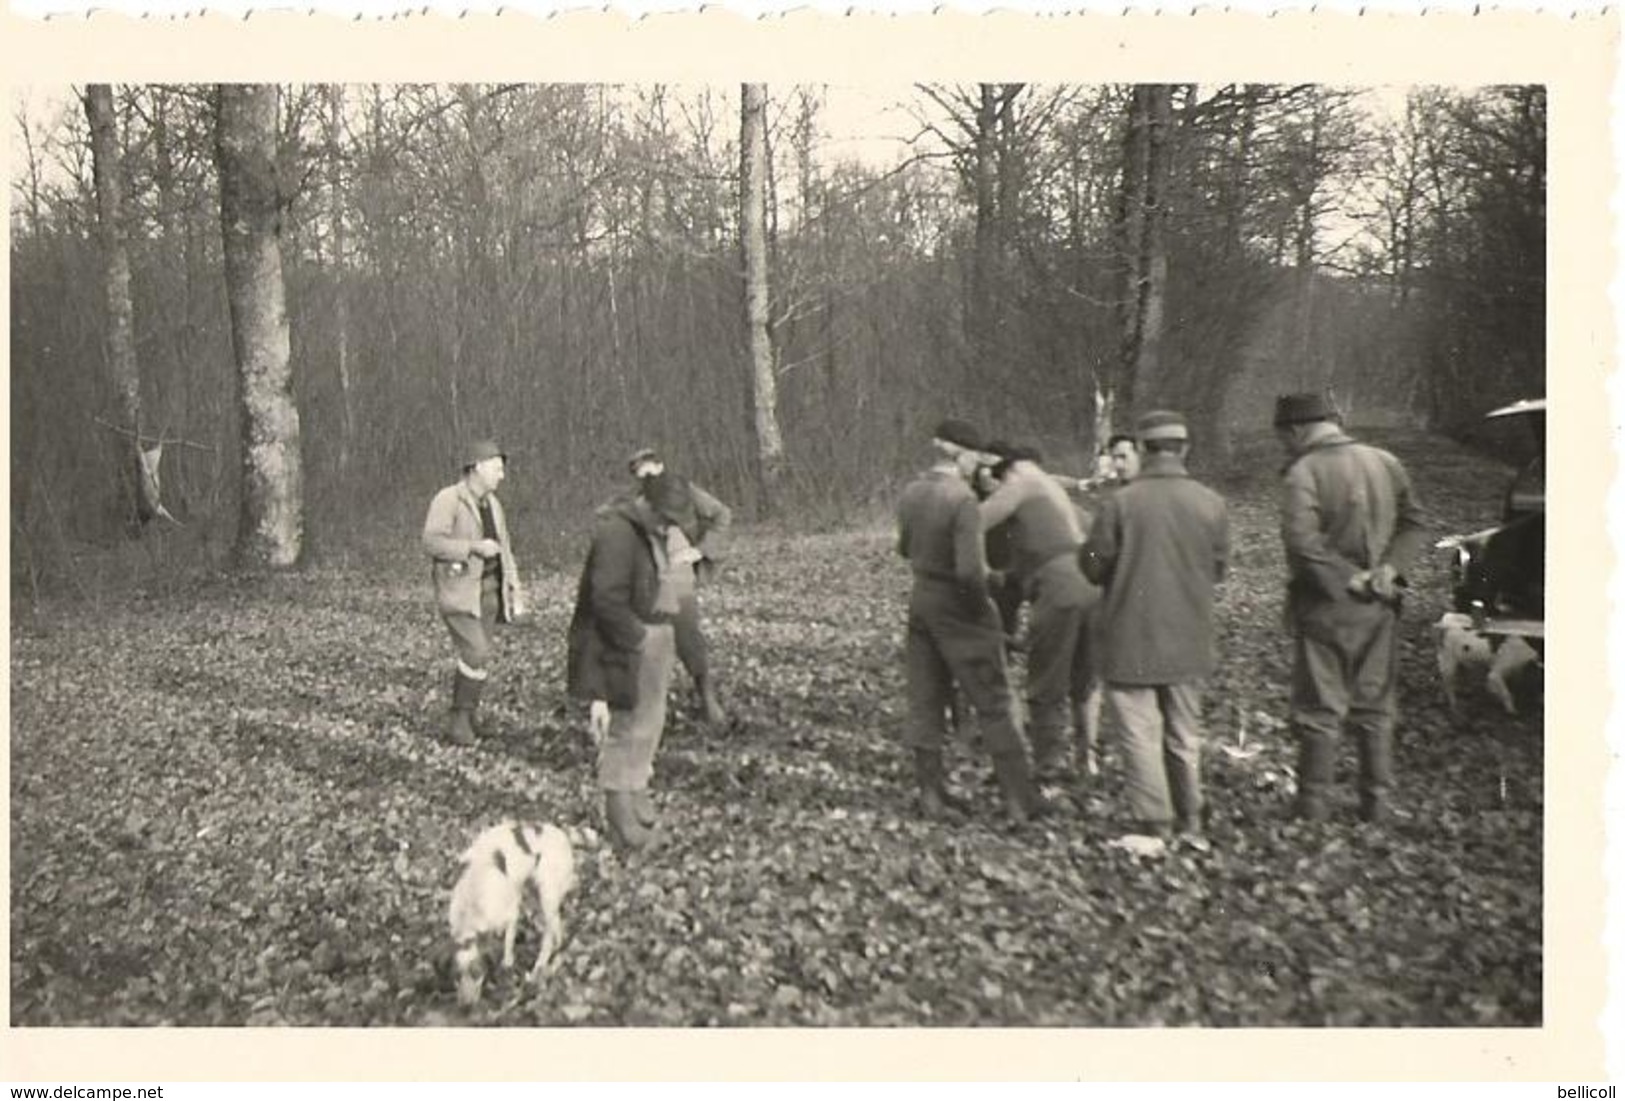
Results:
465 701
626 827
1021 797
931 777
710 704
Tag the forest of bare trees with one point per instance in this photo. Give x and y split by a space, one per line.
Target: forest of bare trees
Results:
255 327
578 268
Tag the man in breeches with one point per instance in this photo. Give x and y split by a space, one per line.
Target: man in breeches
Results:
476 582
1044 538
954 633
1352 526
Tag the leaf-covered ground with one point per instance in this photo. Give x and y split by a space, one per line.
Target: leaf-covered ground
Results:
232 808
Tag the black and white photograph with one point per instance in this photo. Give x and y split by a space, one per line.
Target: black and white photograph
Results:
907 554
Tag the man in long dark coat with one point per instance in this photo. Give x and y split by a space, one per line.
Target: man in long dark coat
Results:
1159 546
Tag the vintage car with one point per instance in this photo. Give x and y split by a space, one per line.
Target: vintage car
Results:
1498 575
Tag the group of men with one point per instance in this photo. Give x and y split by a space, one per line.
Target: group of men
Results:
1121 599
636 614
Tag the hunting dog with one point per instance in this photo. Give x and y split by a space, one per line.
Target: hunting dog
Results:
1462 646
498 868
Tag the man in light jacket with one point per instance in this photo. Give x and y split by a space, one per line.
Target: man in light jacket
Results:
476 581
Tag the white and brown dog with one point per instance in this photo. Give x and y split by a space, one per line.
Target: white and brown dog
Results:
498 868
1461 646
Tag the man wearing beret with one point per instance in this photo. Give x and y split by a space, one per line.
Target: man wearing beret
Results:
1044 537
704 521
1159 546
954 634
476 583
1351 525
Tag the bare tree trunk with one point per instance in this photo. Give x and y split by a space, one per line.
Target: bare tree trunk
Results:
1154 247
981 314
1131 214
176 260
616 359
1143 221
1304 259
341 300
1104 414
120 334
753 241
251 224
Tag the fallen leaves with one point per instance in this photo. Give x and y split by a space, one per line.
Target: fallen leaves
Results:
233 808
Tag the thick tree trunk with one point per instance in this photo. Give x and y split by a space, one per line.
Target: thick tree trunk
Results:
250 221
759 337
1155 291
981 314
1148 364
1143 216
174 299
341 299
1131 210
119 338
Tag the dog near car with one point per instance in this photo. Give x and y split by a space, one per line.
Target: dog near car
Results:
503 867
1462 646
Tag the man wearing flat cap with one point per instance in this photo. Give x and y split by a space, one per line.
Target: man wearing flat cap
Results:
1352 526
1159 545
476 582
954 633
703 521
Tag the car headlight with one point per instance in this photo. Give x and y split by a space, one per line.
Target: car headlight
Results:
1461 561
